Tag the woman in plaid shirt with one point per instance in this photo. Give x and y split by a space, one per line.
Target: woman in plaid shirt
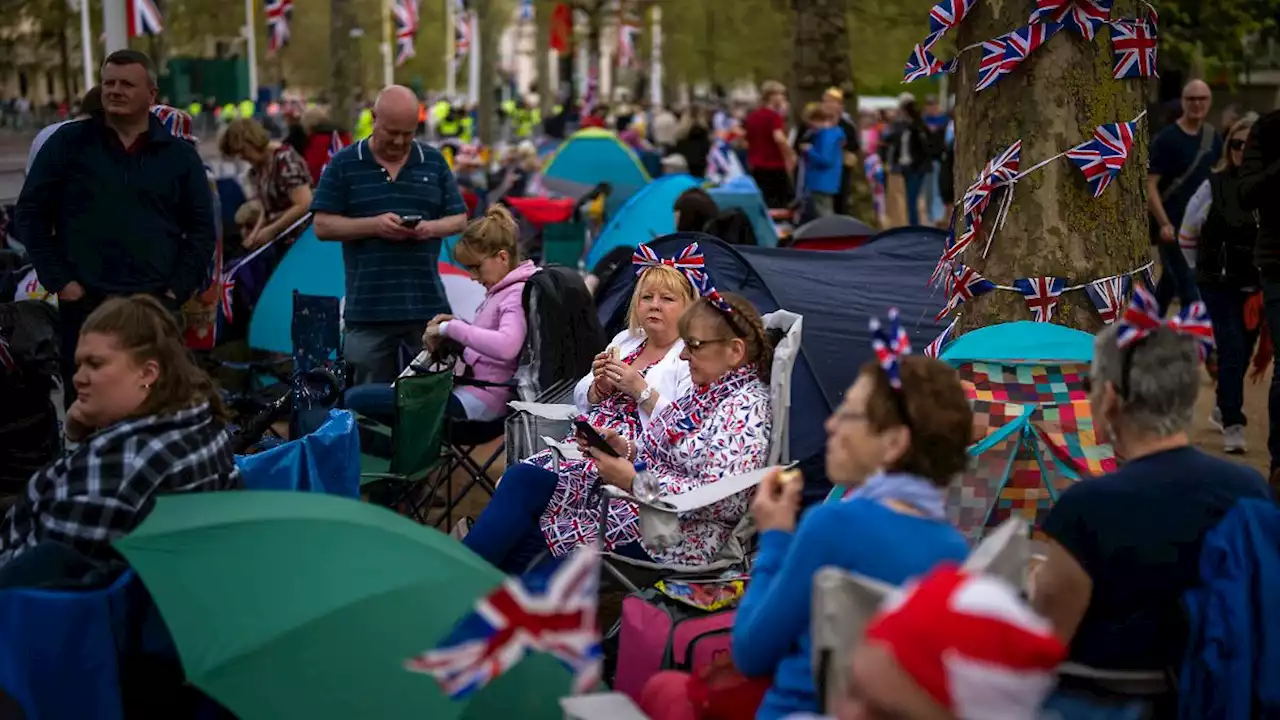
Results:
148 421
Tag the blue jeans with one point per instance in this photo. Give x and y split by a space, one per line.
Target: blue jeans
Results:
1176 277
507 533
914 180
1226 310
1077 705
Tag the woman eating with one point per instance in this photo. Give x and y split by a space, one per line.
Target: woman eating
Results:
1124 548
149 422
492 342
719 428
896 442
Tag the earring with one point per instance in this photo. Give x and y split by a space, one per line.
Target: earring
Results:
146 386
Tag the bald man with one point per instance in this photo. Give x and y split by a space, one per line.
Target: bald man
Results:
389 200
1182 156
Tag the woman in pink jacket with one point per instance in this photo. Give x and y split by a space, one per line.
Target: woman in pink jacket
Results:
492 342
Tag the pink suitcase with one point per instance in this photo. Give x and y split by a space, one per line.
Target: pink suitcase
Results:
658 633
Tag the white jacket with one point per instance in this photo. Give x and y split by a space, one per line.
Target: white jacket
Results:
669 377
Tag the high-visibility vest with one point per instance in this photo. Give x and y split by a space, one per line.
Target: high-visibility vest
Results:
247 108
449 127
440 111
364 125
468 129
229 112
194 109
525 120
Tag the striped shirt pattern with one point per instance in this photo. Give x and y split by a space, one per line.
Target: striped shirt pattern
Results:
390 281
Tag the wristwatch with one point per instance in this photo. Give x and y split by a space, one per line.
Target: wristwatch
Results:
645 395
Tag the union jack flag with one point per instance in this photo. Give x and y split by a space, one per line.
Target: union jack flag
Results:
1042 295
890 345
405 13
991 66
176 121
279 13
1142 317
628 32
227 286
722 162
1083 16
1108 296
144 18
555 615
999 170
1101 158
335 144
964 284
948 14
1024 41
461 29
922 63
935 348
1134 43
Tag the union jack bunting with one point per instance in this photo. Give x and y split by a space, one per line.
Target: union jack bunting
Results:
1134 43
1142 317
1101 158
554 614
999 171
890 345
628 34
923 64
949 14
1108 296
405 13
335 144
144 18
991 67
279 13
934 349
1083 16
1042 295
1022 42
964 284
689 261
1149 277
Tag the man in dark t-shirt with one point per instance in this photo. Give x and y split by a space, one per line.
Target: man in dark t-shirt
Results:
1182 155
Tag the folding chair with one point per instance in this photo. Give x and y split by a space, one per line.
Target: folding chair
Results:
844 602
416 445
662 516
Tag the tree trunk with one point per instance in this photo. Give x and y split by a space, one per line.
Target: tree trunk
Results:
542 58
64 57
1055 227
342 63
490 27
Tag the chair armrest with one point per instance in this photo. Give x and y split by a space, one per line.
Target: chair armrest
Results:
547 411
460 380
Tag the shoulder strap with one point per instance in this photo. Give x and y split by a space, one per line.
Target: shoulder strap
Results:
1207 134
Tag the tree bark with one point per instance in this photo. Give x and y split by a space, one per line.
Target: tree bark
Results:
64 56
542 51
1055 227
342 63
490 26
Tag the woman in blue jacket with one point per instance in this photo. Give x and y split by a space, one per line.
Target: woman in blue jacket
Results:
896 442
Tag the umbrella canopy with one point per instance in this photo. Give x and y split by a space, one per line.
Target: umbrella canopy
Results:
299 605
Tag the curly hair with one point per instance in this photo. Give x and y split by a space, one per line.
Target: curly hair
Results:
744 322
938 415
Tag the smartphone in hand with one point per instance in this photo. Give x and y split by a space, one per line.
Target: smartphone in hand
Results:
410 221
593 438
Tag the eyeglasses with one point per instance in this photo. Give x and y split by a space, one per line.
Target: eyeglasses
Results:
1236 144
695 345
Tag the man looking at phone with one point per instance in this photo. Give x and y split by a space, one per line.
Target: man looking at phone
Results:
389 200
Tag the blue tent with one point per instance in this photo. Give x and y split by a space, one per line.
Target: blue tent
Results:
647 215
590 157
750 201
836 292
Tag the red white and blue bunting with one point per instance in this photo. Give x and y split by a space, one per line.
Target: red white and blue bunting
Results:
1042 294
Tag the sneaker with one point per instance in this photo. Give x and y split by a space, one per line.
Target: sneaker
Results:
1215 419
1233 440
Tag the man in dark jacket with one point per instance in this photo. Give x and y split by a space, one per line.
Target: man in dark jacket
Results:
116 205
1259 188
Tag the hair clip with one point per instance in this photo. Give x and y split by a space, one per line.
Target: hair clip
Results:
689 261
1142 318
702 281
890 346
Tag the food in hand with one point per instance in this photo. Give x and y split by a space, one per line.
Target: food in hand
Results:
615 352
786 477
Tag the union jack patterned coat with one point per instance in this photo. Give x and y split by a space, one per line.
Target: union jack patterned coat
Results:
712 432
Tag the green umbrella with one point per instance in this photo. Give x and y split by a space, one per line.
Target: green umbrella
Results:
301 605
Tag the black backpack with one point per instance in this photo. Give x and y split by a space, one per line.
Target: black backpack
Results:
564 334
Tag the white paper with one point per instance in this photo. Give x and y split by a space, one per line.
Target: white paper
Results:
715 492
549 411
600 706
568 450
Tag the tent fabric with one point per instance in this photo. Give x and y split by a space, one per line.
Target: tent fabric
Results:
1028 385
593 156
752 204
314 267
833 226
325 461
647 215
836 293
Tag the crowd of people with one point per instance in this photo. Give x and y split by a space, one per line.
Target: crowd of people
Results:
119 219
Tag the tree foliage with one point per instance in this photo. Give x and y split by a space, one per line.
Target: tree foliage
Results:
1211 34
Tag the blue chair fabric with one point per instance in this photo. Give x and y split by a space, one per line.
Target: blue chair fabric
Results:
326 461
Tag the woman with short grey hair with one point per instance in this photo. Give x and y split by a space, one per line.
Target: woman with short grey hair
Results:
1125 548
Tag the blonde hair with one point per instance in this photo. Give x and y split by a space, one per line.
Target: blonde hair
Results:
1244 123
147 331
769 88
662 278
311 117
489 235
242 134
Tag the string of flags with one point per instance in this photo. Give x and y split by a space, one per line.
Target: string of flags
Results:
144 18
279 13
405 15
1043 293
461 29
1134 41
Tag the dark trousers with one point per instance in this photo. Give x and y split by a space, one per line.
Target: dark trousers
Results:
842 197
914 181
1271 300
507 533
1176 277
775 186
1226 310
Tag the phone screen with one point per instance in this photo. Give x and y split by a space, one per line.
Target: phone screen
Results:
410 221
593 438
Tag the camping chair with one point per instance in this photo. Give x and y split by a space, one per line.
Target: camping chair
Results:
394 479
326 460
844 603
662 516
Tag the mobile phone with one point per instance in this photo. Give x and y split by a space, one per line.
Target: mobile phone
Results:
593 438
410 221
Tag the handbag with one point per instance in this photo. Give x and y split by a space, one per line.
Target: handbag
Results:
719 691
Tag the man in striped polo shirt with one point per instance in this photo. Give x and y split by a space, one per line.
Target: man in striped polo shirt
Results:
389 200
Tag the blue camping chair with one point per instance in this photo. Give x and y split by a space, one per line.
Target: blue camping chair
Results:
324 461
60 653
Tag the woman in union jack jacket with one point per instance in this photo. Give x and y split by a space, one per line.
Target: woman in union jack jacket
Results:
719 428
149 422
